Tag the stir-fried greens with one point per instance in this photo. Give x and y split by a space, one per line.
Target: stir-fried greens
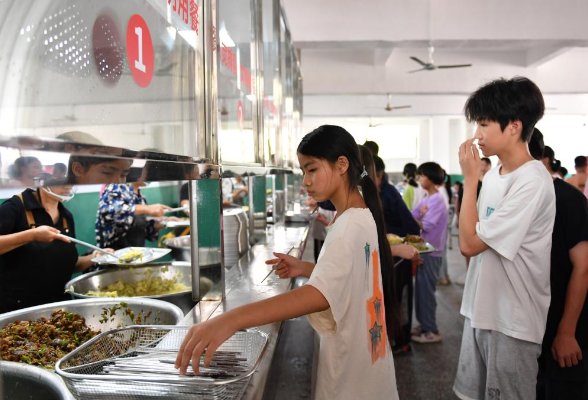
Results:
43 342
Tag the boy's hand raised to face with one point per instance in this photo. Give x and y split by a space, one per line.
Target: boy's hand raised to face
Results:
469 160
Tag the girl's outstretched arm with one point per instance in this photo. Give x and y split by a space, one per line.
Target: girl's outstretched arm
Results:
206 337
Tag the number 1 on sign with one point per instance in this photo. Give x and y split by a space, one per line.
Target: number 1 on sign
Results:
139 63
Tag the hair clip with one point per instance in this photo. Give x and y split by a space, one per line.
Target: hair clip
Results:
363 174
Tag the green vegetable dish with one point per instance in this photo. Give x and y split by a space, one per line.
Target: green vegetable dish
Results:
43 342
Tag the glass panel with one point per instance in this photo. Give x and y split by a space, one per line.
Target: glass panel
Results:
271 77
236 82
120 73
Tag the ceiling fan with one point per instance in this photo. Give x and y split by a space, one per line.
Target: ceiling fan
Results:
390 108
431 66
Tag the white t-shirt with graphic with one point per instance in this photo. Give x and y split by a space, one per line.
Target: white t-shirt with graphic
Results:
355 361
507 286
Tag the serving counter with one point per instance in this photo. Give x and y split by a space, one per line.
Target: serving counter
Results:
243 285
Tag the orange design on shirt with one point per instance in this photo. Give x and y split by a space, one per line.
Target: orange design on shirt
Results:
376 320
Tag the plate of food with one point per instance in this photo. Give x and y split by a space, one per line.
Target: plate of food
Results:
131 256
416 241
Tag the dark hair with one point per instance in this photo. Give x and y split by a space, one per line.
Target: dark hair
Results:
22 162
580 162
60 167
367 161
433 171
85 161
536 145
410 171
487 161
554 164
447 183
379 163
563 171
459 183
372 146
329 142
504 101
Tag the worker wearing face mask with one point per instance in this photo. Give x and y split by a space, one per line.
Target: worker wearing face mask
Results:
35 262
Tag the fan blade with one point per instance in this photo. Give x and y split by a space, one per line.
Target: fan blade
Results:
419 61
454 66
399 107
416 70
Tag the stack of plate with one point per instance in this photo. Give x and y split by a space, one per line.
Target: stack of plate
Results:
236 235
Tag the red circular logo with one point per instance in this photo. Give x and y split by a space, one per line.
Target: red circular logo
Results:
240 116
140 50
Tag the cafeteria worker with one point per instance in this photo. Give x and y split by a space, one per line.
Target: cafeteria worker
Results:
35 262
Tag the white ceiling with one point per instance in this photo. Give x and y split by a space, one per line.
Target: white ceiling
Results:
352 56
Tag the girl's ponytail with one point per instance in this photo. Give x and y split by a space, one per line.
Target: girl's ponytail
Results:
372 200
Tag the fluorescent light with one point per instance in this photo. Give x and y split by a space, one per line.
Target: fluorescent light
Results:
225 38
190 37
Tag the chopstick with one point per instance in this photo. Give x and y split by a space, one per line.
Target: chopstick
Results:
91 246
277 265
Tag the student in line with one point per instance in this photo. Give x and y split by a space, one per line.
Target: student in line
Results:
579 179
563 371
432 215
349 298
508 236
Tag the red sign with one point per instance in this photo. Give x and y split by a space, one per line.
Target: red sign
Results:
140 50
240 116
186 8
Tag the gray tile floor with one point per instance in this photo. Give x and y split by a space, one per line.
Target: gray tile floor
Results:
426 373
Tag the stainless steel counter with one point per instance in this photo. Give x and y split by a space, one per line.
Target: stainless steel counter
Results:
243 286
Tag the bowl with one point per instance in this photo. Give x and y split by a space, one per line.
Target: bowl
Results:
99 280
24 382
162 313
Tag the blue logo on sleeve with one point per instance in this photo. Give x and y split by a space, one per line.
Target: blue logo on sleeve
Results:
489 211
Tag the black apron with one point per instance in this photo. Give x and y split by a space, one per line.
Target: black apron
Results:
36 273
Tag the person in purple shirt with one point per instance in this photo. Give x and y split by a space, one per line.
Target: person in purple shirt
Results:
431 214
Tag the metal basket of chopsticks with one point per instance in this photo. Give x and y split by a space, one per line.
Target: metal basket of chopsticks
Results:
137 362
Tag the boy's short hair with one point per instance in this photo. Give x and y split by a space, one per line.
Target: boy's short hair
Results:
536 145
487 161
504 101
379 164
580 162
372 146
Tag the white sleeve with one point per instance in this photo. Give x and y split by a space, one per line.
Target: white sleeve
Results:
332 275
507 226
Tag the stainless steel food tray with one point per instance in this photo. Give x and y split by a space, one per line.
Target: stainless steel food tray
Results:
136 363
147 255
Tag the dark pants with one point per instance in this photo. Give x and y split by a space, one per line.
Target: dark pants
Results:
404 294
318 245
557 383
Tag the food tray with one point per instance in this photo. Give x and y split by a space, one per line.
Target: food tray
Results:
430 247
136 362
176 224
148 255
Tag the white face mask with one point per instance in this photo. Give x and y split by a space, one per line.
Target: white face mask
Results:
59 197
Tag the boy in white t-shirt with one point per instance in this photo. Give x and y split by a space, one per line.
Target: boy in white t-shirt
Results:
508 235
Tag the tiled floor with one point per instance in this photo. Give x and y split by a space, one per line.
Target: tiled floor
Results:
427 373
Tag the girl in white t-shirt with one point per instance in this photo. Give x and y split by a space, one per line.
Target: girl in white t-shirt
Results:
349 299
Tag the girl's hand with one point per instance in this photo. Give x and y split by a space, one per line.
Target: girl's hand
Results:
47 234
405 251
424 210
290 267
321 218
204 338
